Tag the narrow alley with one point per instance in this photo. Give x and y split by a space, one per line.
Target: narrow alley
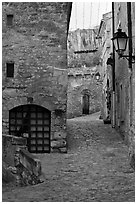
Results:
95 169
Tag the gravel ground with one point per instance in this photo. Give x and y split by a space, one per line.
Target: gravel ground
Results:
95 169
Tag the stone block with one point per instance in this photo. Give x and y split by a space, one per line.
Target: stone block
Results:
63 150
58 143
60 135
19 141
7 175
53 150
9 145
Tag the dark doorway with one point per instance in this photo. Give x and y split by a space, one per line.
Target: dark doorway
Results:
33 122
86 104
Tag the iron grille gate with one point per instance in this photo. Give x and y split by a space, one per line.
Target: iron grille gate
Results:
33 122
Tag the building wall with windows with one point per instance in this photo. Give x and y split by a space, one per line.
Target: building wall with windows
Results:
125 79
34 62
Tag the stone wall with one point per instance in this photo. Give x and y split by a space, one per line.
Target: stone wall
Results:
18 165
83 66
105 35
125 81
83 81
36 43
83 40
9 146
28 168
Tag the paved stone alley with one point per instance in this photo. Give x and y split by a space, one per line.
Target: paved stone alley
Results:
95 169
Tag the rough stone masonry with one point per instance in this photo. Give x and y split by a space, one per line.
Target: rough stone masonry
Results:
34 65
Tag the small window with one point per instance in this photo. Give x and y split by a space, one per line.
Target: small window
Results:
9 20
10 70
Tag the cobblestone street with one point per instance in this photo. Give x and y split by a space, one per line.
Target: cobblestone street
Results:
95 169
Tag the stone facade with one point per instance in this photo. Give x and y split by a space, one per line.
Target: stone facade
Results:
104 37
125 79
83 40
35 42
118 98
84 91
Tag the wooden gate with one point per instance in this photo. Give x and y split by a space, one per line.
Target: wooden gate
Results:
86 104
33 122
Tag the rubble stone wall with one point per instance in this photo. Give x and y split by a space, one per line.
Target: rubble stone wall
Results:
83 81
9 146
83 40
36 43
19 166
125 81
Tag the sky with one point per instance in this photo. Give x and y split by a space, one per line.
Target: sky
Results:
86 15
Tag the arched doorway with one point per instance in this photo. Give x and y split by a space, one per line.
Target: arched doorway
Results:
86 104
33 122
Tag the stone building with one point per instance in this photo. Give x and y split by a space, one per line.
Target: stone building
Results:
34 63
124 15
118 98
84 90
104 38
83 40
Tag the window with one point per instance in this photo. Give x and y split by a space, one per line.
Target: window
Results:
10 70
9 20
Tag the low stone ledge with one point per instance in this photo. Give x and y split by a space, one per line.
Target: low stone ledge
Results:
21 165
30 162
28 168
9 145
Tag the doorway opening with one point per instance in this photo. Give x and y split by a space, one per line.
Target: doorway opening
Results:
85 104
32 122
